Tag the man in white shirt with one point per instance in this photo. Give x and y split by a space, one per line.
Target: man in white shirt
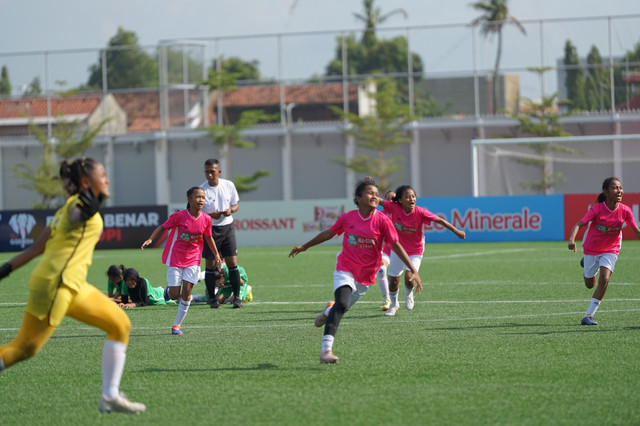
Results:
221 202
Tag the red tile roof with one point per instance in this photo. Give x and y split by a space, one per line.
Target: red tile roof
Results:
303 94
37 106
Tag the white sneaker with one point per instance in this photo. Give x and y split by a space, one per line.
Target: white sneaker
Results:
120 404
392 311
408 299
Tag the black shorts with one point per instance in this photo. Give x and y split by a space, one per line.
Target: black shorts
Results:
225 239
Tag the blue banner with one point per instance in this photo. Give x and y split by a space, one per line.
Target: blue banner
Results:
509 218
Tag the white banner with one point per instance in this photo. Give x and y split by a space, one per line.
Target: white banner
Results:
279 223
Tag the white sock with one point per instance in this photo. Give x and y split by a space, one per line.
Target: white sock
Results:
383 281
327 310
327 343
183 307
593 307
114 354
393 295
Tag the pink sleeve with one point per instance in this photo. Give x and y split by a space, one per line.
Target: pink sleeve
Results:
427 216
208 222
338 227
389 231
590 214
631 221
172 221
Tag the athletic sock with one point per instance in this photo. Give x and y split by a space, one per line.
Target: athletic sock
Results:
183 307
593 307
114 354
327 343
234 279
393 295
383 282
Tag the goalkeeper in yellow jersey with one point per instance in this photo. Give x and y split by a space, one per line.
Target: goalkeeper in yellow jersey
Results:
58 286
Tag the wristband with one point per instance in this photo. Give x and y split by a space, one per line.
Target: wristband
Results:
5 270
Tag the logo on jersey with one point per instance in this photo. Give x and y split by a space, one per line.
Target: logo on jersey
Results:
191 238
361 242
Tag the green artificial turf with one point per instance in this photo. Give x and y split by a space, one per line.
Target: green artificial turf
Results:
495 338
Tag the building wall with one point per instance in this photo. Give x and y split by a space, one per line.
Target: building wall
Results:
442 148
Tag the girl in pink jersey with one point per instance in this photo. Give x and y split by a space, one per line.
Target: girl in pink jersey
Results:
408 219
188 229
365 231
602 240
381 275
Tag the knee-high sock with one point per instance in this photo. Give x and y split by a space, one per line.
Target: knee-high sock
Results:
114 354
183 307
383 281
234 279
211 277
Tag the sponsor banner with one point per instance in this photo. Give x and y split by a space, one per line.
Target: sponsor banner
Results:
577 205
265 223
518 218
124 227
514 218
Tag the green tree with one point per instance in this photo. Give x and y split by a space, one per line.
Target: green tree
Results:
541 119
34 88
66 142
596 94
5 84
495 15
379 133
128 65
227 137
240 69
630 64
372 17
176 58
574 80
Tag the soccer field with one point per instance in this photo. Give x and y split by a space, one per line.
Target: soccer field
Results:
494 338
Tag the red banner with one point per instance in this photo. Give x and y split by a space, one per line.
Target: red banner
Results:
576 205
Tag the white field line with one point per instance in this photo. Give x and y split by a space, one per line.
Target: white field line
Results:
309 322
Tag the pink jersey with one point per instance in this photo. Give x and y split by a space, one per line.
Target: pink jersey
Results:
185 242
362 243
604 234
409 225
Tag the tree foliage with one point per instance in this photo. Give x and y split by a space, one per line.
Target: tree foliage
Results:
372 17
379 133
66 143
574 80
226 137
542 119
128 65
596 87
495 15
5 84
34 88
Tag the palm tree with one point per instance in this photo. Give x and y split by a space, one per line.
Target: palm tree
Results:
495 14
373 17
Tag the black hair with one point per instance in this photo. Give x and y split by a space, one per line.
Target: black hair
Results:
138 294
605 186
400 191
115 271
71 173
190 192
211 162
360 187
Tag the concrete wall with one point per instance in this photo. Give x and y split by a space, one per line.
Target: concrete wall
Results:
144 170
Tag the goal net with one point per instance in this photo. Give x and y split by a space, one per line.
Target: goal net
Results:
555 165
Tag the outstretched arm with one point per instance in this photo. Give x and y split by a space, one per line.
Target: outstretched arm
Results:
399 250
318 239
35 249
153 236
460 234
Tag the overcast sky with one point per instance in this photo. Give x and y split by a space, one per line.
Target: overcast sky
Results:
41 25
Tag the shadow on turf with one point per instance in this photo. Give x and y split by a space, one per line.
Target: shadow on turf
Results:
198 370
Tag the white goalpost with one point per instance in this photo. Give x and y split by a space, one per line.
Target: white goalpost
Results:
554 165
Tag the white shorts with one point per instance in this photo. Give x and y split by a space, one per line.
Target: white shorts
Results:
341 278
175 276
397 266
592 263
